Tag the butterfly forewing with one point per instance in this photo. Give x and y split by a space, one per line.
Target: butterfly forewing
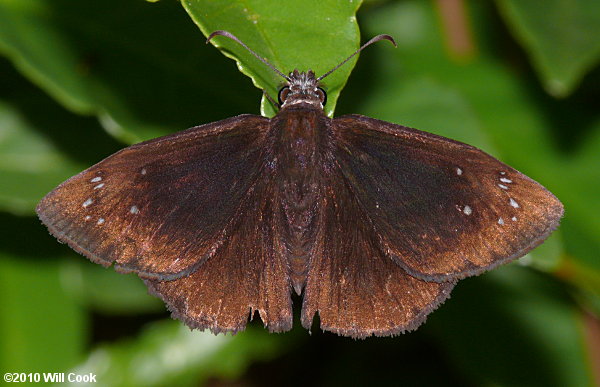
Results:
161 207
443 209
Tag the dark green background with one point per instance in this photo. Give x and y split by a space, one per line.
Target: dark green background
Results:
80 79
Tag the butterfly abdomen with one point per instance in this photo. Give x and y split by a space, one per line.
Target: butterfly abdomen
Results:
302 138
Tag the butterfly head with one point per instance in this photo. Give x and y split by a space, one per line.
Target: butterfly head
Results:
302 88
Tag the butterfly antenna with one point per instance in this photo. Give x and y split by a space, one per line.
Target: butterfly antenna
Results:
375 39
233 37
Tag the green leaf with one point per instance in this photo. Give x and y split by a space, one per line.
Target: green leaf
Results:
38 316
514 327
41 144
303 35
424 103
144 70
579 177
29 165
168 353
107 291
560 36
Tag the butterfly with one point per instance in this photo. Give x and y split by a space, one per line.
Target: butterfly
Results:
371 222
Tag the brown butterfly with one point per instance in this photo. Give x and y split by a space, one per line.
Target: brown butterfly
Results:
372 222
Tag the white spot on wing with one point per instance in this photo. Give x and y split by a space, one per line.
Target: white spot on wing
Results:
134 210
88 217
459 171
505 180
502 173
502 186
143 171
100 221
99 186
96 179
514 218
514 203
87 203
467 210
500 221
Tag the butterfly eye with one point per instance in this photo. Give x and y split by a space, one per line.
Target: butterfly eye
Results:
283 94
322 95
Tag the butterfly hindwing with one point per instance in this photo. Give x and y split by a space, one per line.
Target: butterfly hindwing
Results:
247 273
443 209
354 287
161 207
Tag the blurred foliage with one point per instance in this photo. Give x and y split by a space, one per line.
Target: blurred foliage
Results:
520 79
561 38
